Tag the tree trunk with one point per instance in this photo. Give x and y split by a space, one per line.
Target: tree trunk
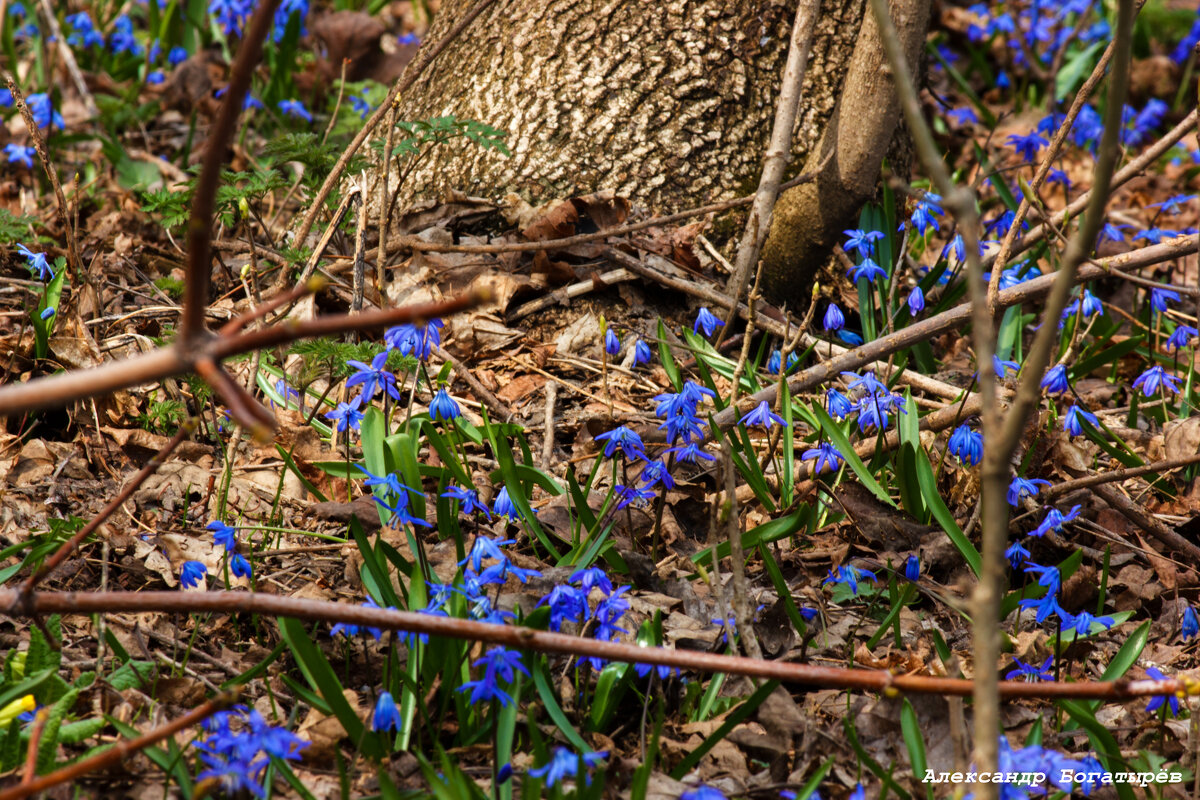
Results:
667 103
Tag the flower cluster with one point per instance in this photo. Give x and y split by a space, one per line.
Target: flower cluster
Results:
237 747
571 603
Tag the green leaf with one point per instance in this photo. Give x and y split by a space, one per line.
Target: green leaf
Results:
1075 70
553 709
668 361
937 506
1102 741
819 418
323 679
290 463
910 729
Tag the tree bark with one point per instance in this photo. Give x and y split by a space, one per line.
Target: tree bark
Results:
667 103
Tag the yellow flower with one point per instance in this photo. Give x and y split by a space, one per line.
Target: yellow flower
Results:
16 708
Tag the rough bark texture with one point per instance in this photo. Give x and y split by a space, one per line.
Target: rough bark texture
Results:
810 218
667 103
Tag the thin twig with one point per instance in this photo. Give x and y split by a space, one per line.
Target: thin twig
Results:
545 642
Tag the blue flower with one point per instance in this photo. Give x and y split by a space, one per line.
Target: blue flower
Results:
500 664
567 604
192 573
926 213
912 568
387 716
706 321
623 439
592 578
1055 519
283 15
850 337
248 102
565 765
776 361
916 301
762 417
1002 367
223 535
1016 555
662 670
177 55
415 340
1160 297
866 269
827 455
1190 626
122 39
504 506
1027 146
1173 205
849 575
703 792
962 116
612 345
1055 381
1082 623
641 353
1152 379
967 445
655 472
1046 607
360 105
867 383
37 262
469 499
346 415
484 547
837 404
47 312
239 566
294 108
834 319
19 154
1021 488
691 453
235 757
442 406
1091 305
373 377
862 242
1111 233
156 77
1181 337
873 412
1048 577
408 38
1075 416
1156 703
1030 672
231 14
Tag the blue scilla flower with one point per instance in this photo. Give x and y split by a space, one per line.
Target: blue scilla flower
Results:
1173 205
486 548
390 482
837 404
826 455
641 353
633 495
655 473
861 242
239 566
1155 378
408 39
1027 146
866 383
662 670
499 664
360 105
122 40
223 535
1190 626
867 269
566 765
612 344
84 31
1030 673
873 412
624 439
567 604
156 77
248 102
469 499
283 15
1169 699
43 111
926 213
19 154
47 312
762 417
850 337
1021 488
418 341
966 445
1111 233
1055 380
231 14
1048 577
192 573
442 406
703 792
834 320
1002 367
850 576
706 321
1160 297
963 116
1055 520
177 55
294 108
591 578
912 568
346 416
504 506
1181 337
387 716
373 377
607 614
916 301
1075 416
956 247
692 453
1046 606
36 262
1016 555
1083 622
